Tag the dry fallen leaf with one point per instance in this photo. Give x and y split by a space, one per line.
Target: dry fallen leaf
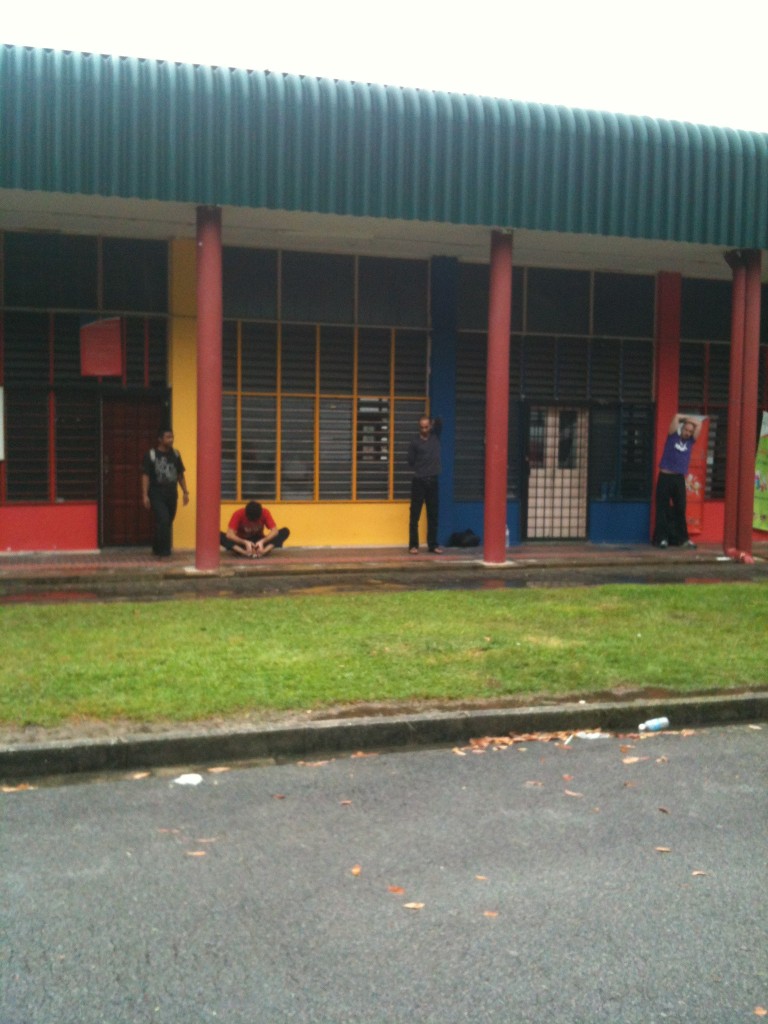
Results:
687 732
219 769
662 760
567 778
630 785
760 1011
363 753
757 727
21 788
663 849
490 913
140 775
698 874
345 803
413 906
312 764
278 796
396 890
633 760
481 878
569 792
626 746
664 810
206 840
356 870
196 853
533 782
459 751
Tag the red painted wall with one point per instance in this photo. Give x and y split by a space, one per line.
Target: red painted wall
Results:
70 527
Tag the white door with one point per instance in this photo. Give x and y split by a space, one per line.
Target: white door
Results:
557 480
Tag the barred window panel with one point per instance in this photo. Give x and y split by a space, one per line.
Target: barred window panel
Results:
335 449
66 348
605 369
572 369
637 371
373 448
26 347
229 356
77 430
337 361
259 356
539 367
229 448
259 447
297 364
26 441
373 371
411 363
297 459
469 461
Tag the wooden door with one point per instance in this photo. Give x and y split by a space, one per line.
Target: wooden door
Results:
557 477
129 429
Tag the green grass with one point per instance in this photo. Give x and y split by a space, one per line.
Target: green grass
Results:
195 659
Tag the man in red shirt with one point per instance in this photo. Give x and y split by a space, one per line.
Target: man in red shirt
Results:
252 532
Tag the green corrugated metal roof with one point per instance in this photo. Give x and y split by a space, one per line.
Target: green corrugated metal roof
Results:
115 126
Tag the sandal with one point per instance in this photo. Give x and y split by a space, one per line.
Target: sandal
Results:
413 551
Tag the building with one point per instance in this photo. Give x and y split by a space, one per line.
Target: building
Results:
330 250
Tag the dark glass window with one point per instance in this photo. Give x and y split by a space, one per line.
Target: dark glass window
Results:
249 283
135 275
624 305
47 271
393 292
706 310
558 301
318 288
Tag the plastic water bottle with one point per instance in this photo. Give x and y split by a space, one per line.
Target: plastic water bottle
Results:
654 725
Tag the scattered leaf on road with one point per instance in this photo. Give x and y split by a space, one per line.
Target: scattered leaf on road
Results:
21 788
312 764
363 753
356 870
663 849
459 751
396 890
481 878
219 769
534 782
760 1011
664 810
345 803
413 906
698 874
569 792
196 853
662 760
140 775
490 913
567 778
278 796
757 727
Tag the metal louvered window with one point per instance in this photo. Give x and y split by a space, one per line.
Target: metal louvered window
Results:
323 411
53 413
580 367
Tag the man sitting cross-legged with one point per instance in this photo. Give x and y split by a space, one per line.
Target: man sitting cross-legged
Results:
252 532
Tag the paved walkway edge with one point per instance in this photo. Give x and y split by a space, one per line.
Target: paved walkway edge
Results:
327 737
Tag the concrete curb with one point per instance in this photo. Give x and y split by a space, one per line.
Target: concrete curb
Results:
315 738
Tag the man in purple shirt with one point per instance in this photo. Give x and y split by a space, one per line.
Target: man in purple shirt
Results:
671 527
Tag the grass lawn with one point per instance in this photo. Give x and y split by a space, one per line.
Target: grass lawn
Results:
187 660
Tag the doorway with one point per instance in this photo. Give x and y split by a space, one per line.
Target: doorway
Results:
128 430
556 458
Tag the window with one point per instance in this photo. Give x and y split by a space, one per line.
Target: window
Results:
318 406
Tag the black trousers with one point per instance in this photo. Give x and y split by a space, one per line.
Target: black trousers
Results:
670 509
163 507
282 536
424 491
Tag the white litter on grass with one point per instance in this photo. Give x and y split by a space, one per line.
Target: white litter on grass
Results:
723 558
192 779
593 735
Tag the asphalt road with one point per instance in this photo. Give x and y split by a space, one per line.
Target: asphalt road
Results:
610 880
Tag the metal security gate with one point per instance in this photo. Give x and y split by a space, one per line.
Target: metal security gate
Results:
557 473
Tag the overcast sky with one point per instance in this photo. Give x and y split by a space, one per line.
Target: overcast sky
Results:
687 60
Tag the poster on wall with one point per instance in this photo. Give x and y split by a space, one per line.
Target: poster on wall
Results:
760 512
696 482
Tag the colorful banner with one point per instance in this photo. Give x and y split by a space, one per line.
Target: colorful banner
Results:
696 482
760 516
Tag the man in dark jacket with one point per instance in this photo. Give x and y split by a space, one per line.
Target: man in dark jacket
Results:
424 460
162 473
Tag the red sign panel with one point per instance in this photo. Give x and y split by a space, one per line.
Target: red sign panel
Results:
696 482
101 348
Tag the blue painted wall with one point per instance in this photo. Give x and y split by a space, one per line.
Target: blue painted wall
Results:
619 522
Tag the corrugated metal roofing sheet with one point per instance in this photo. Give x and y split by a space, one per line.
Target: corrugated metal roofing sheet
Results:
115 126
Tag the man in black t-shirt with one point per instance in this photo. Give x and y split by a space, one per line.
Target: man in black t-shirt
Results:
162 473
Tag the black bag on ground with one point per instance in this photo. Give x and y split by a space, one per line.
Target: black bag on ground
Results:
466 539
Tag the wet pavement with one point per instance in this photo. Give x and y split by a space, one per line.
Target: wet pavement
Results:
134 574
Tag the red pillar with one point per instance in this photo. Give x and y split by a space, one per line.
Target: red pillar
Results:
733 450
669 289
750 369
497 399
209 330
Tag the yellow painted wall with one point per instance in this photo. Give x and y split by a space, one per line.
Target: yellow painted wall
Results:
336 524
182 376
